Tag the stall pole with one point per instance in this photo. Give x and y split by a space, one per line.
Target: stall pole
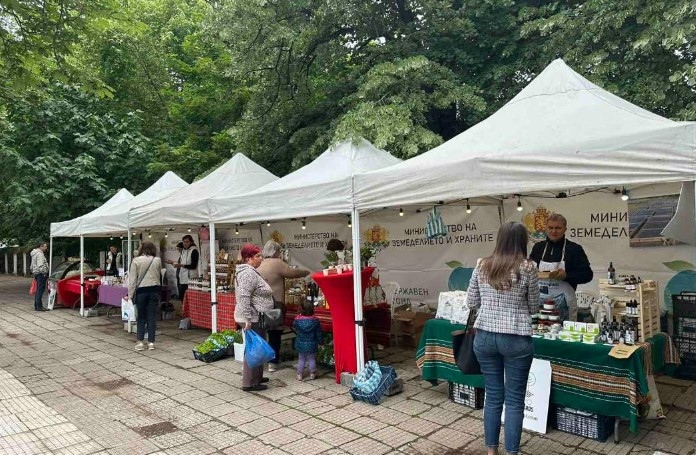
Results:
50 256
129 258
357 292
82 275
15 268
213 281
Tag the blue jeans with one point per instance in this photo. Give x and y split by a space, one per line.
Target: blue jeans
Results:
40 288
147 300
505 362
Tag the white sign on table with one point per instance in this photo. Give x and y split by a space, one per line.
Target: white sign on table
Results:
537 396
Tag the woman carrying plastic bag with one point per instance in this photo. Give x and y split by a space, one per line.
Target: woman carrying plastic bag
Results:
253 297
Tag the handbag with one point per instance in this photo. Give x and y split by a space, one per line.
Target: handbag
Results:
271 319
34 285
463 348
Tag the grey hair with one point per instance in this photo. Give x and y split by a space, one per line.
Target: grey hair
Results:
271 249
557 217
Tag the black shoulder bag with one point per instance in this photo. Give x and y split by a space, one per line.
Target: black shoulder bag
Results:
463 347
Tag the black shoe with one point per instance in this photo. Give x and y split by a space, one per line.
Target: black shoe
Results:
256 388
41 309
264 380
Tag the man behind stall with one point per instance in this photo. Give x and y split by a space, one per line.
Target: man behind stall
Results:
114 261
565 261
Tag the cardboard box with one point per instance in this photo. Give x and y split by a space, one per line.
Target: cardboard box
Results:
410 322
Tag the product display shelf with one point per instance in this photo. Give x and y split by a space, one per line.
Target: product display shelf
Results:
224 277
646 294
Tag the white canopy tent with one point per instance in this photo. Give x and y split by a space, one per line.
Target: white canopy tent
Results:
116 219
560 132
112 217
191 205
322 187
72 228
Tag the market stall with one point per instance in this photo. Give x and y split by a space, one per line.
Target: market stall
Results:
584 376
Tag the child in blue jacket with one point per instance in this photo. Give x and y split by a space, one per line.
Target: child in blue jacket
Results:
308 331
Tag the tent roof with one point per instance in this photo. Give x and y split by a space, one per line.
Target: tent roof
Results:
322 187
560 132
189 206
115 219
71 228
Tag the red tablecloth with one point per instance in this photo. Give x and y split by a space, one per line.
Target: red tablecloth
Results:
197 307
338 290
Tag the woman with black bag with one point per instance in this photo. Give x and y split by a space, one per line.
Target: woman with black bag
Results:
505 287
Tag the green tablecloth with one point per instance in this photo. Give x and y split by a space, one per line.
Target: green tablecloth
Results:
583 375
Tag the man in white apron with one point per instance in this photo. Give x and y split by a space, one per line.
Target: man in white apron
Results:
565 260
187 265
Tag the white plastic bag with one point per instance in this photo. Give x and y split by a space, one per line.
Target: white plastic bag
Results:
127 310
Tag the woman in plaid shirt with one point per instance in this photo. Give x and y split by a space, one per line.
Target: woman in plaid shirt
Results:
505 287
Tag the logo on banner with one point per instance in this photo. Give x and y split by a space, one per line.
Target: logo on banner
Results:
460 276
377 238
535 223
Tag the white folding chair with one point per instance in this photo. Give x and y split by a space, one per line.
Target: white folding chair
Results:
391 289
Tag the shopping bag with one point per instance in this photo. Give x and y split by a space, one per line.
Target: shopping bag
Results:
127 310
33 286
271 319
51 296
463 348
257 351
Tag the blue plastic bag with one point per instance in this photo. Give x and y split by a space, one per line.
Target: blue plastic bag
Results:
256 350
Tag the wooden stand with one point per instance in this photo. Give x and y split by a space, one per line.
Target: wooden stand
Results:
646 294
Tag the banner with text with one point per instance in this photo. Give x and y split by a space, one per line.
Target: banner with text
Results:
599 222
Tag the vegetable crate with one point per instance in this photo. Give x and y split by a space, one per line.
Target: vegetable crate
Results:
472 397
646 294
573 421
684 305
210 356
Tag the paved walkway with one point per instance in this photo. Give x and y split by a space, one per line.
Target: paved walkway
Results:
72 385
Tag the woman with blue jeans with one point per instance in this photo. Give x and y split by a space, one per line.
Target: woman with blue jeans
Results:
506 289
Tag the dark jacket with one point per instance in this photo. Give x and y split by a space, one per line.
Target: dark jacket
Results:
308 332
577 266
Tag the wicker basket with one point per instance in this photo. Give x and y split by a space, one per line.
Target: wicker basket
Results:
593 426
210 356
388 377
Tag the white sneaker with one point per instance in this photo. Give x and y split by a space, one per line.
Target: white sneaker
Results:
272 367
151 346
139 346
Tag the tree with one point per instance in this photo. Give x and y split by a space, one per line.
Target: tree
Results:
63 154
38 41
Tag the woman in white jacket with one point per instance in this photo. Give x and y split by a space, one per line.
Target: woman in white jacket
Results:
145 283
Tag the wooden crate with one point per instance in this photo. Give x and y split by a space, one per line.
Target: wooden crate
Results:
646 294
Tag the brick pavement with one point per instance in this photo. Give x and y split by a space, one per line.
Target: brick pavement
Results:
71 385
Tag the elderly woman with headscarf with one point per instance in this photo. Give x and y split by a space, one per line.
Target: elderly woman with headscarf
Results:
253 295
274 270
